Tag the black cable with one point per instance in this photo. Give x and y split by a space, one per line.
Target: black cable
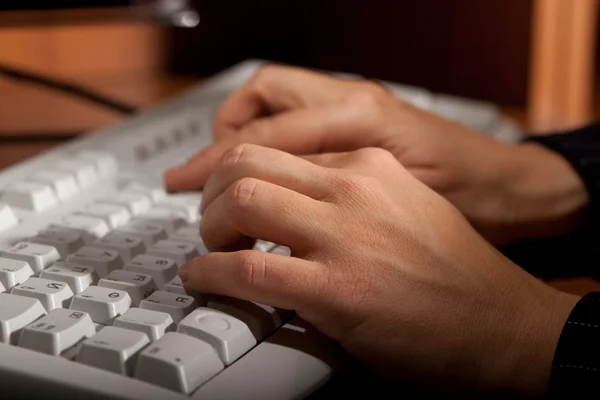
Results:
67 88
37 137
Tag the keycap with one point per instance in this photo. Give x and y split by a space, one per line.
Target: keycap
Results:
115 216
176 286
155 193
178 306
16 312
162 270
282 251
153 323
264 246
127 245
191 235
103 261
139 286
63 184
190 213
136 203
180 252
230 337
178 362
38 256
106 164
8 219
113 349
78 277
261 319
64 240
83 171
31 196
150 232
2 288
14 272
90 228
51 294
103 304
57 332
170 220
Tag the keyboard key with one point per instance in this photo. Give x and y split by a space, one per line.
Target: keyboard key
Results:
191 235
103 304
38 256
176 286
136 203
170 220
162 270
190 213
51 294
83 171
2 288
230 337
178 362
14 272
150 232
8 219
153 323
90 228
57 332
16 312
262 320
115 216
155 193
180 252
31 196
78 277
176 305
106 164
139 286
127 245
63 184
64 240
113 349
282 251
264 246
103 261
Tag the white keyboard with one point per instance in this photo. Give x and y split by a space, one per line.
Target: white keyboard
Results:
90 244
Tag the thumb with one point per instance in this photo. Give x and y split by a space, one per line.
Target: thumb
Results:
342 127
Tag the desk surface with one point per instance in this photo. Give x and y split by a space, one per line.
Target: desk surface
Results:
29 109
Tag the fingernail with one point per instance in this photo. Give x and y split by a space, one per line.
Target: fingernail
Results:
184 272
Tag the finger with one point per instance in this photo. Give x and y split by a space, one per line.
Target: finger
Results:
274 166
262 210
280 281
346 126
271 90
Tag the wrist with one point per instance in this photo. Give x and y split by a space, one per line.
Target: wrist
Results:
547 196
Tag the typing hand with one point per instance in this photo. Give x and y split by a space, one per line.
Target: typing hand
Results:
507 192
380 263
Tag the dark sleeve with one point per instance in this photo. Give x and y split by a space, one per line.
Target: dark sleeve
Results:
578 252
576 365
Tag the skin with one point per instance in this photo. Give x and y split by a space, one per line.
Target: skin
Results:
378 207
508 193
380 263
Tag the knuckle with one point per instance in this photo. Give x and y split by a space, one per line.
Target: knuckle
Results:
241 194
234 155
375 156
353 184
375 90
252 267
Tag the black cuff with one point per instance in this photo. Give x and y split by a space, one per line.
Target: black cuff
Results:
576 365
581 148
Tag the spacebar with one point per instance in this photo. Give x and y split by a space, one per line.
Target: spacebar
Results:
28 374
291 364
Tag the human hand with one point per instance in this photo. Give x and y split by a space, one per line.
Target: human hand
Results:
380 263
508 193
